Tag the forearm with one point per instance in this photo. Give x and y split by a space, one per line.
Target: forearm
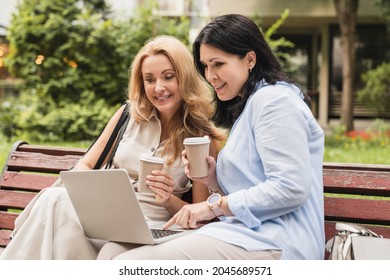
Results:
174 204
225 207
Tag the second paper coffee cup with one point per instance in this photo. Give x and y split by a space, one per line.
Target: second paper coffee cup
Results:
197 149
147 165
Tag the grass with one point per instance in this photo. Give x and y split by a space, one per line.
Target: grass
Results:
373 154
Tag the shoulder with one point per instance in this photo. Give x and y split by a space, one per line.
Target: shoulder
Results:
281 90
279 95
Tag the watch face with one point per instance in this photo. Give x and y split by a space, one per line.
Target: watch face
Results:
213 199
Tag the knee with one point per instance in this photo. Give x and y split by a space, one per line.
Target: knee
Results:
112 249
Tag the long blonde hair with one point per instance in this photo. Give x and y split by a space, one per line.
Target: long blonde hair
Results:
193 118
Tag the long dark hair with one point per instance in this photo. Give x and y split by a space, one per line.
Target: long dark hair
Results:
238 35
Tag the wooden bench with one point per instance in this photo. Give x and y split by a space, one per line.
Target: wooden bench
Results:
29 169
357 193
354 193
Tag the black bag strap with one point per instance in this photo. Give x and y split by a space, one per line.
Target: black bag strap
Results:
123 120
120 135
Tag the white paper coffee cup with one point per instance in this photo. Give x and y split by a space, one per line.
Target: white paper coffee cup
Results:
197 149
147 165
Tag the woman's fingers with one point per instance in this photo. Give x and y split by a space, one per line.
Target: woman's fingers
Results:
161 180
191 216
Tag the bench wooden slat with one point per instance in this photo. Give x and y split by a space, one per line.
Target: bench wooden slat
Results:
357 182
52 150
15 200
26 181
29 161
356 166
4 238
358 210
7 220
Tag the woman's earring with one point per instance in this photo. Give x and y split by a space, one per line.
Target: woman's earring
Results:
250 70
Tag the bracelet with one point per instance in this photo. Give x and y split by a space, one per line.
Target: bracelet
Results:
211 191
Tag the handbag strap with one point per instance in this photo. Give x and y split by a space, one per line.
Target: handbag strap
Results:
340 227
124 118
120 135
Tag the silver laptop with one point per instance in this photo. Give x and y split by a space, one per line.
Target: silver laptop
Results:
108 209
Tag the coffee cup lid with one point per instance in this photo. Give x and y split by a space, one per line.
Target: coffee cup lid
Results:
153 159
196 140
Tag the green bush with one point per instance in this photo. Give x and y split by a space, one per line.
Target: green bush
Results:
34 119
9 113
376 90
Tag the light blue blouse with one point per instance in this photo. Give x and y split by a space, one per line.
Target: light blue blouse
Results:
271 169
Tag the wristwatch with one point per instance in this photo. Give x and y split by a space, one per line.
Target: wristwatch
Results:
214 201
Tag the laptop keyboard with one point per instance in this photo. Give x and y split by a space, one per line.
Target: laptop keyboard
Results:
159 233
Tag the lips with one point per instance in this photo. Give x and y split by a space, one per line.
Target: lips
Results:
163 98
218 87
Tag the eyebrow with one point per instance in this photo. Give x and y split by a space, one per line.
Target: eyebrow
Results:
163 72
210 60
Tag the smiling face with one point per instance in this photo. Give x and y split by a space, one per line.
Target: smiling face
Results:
226 72
161 84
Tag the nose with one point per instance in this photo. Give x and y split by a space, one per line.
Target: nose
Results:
210 75
160 88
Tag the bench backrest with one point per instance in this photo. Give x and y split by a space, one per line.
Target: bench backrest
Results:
29 168
354 193
357 193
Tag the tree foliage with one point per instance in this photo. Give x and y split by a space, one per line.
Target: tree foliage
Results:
384 9
60 48
279 43
74 58
376 82
376 90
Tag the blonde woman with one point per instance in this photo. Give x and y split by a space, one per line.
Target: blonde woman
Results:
168 101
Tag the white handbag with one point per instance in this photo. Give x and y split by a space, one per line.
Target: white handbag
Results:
340 247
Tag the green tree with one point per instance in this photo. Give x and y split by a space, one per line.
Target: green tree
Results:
74 59
60 48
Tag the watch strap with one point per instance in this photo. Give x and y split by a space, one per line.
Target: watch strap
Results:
217 210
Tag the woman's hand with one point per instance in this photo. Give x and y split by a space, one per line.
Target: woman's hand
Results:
210 180
191 216
161 183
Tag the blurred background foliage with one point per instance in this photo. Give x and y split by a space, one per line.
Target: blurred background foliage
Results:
73 58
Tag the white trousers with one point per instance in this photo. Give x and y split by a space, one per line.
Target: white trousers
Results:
192 246
49 229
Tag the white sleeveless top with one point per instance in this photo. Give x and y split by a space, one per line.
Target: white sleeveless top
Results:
144 138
